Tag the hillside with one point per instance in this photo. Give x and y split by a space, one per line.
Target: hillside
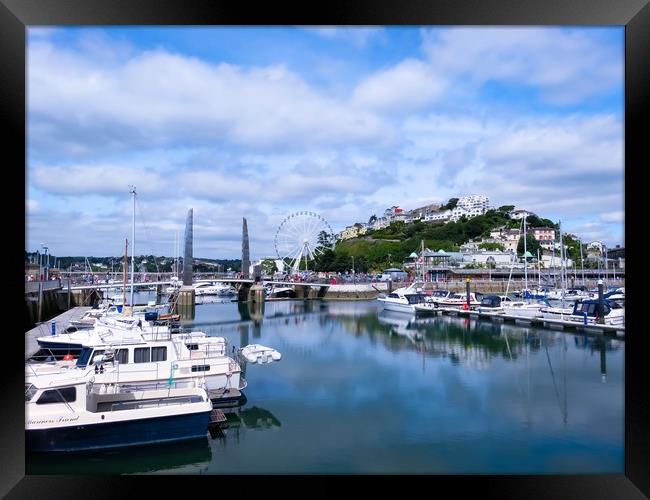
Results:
377 250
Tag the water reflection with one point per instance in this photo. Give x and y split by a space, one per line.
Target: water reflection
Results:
471 390
187 457
212 299
252 418
470 341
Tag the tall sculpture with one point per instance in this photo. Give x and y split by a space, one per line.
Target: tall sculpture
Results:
187 257
245 256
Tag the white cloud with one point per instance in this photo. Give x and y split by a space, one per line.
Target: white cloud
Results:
405 87
96 179
616 216
568 66
264 141
163 99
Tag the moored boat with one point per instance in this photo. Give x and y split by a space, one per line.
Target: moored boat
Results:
457 300
64 414
587 312
403 299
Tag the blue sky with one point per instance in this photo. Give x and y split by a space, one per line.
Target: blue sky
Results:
262 122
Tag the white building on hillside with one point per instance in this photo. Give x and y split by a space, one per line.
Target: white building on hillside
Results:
467 206
380 223
353 231
474 204
438 216
520 214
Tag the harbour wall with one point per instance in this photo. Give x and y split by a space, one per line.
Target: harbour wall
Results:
45 302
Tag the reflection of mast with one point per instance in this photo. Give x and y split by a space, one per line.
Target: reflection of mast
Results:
528 378
557 394
603 362
566 409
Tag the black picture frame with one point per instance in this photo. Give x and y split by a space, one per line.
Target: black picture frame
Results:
16 15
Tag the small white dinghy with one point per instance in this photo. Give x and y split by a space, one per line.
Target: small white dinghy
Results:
256 353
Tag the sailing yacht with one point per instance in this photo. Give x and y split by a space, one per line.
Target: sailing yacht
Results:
531 305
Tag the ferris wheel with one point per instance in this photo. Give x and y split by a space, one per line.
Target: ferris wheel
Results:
302 235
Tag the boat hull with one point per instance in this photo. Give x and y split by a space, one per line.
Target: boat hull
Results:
403 308
119 434
526 312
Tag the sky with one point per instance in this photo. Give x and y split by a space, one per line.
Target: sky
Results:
344 122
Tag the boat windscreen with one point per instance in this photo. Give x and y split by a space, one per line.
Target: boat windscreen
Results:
84 356
415 298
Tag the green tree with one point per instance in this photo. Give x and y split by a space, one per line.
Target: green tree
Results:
451 204
269 267
506 209
492 246
324 239
532 245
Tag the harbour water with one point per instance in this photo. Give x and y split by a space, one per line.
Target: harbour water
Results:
361 390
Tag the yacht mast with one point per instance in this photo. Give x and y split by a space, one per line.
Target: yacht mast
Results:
422 261
124 271
562 263
132 191
562 259
525 261
539 276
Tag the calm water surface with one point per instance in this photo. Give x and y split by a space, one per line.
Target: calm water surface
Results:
362 390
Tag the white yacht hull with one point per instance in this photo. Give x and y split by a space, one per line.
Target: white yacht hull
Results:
390 305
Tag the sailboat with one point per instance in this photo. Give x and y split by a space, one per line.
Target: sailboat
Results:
530 306
563 311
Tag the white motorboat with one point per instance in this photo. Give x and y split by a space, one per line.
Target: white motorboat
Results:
70 414
439 295
525 308
114 329
492 304
586 312
403 299
280 292
256 353
212 288
426 307
553 312
180 357
458 300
